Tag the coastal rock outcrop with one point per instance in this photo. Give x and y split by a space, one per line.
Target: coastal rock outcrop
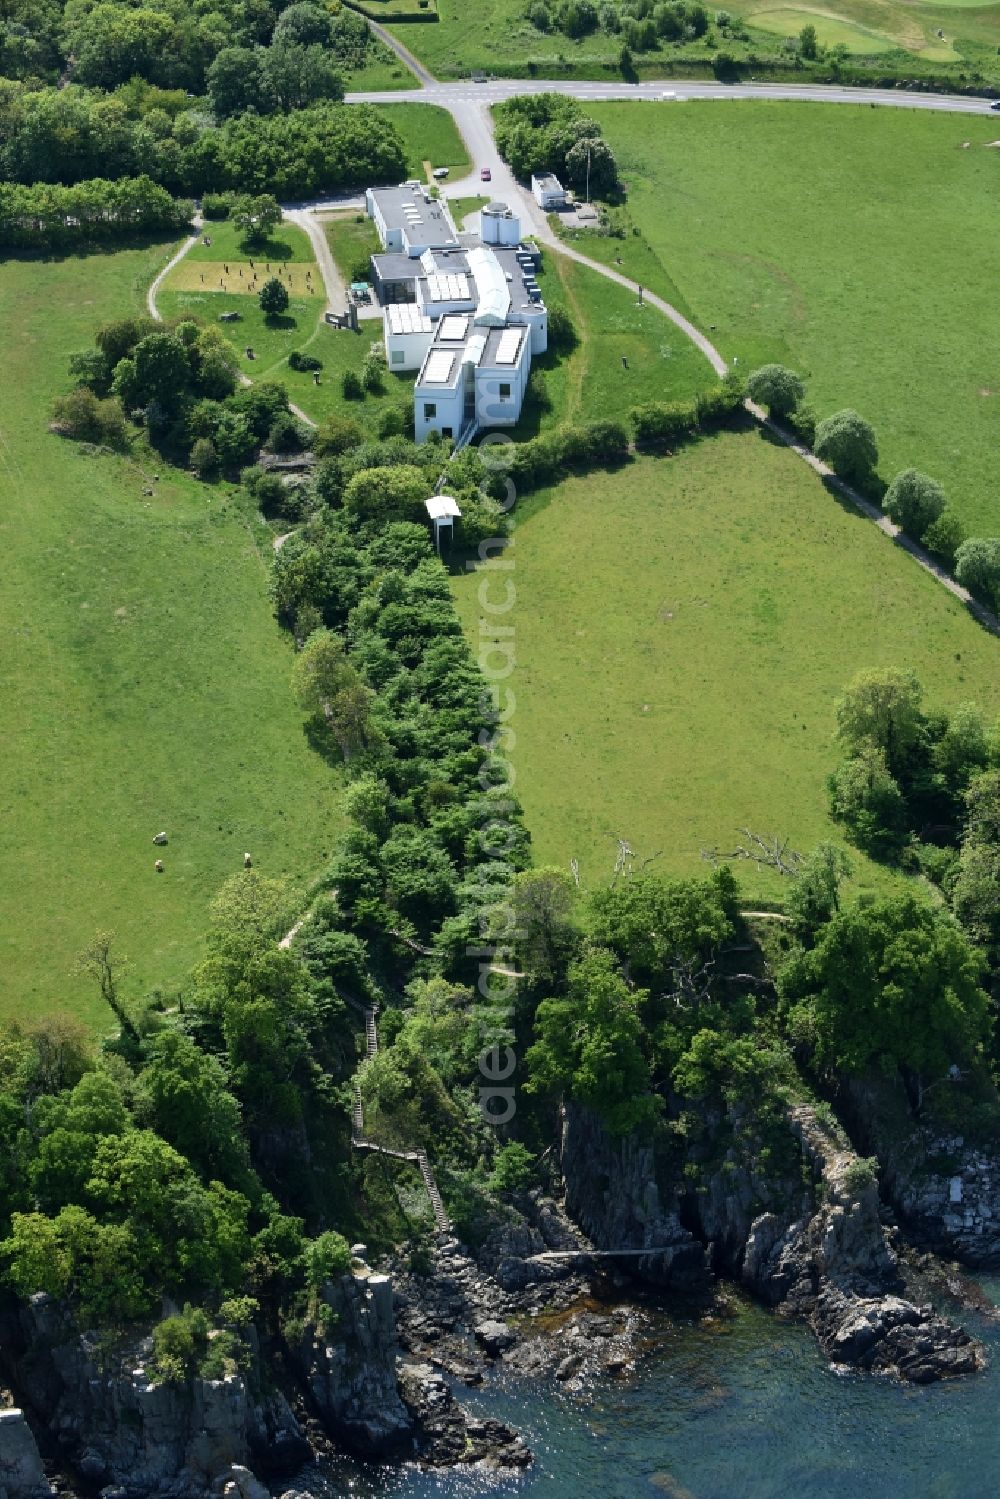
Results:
944 1186
613 1194
349 1369
21 1473
819 1247
115 1425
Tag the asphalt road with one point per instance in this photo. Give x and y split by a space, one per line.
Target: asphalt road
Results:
670 91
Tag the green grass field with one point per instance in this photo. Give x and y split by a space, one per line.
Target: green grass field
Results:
429 134
590 381
682 628
144 680
496 36
858 245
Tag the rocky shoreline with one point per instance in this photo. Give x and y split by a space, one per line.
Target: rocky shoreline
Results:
546 1295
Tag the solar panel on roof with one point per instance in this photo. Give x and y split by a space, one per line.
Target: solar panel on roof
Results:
437 370
510 342
454 327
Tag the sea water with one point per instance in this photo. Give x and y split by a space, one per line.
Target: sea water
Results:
740 1407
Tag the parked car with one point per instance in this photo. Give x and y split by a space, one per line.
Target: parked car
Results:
441 172
485 175
995 105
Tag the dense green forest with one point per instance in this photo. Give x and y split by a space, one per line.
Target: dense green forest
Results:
194 97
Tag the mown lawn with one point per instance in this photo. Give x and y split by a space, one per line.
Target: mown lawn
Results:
144 681
590 380
859 245
429 134
683 627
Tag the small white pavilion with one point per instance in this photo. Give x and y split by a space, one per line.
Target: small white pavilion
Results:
443 511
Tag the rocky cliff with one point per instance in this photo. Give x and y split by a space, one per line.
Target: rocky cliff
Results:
100 1412
113 1424
347 1365
613 1194
21 1473
819 1249
945 1187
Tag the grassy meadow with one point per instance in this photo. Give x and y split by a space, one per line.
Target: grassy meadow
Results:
497 37
683 627
590 380
429 134
880 288
144 680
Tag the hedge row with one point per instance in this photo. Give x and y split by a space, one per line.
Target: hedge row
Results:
48 216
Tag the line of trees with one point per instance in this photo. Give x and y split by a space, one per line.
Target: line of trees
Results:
915 501
49 216
72 135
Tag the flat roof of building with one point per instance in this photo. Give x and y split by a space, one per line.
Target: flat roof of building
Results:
393 265
425 220
547 180
503 347
439 367
517 277
407 317
453 328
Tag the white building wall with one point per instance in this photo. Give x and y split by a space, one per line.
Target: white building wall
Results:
499 229
409 347
449 409
493 409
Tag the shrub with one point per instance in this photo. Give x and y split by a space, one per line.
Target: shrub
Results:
607 441
511 1168
338 434
847 443
913 501
717 406
204 457
285 435
216 205
373 369
663 422
777 388
562 333
82 416
351 386
861 1174
179 1344
300 361
325 1257
944 536
803 424
977 565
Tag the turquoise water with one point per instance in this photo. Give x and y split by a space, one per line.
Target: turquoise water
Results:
743 1408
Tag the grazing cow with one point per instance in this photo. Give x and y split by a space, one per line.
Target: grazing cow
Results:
158 866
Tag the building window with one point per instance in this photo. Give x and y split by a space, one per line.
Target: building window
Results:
504 390
398 356
430 411
446 432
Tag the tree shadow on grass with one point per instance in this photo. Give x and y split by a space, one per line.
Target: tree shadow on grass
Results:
280 322
267 249
55 254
